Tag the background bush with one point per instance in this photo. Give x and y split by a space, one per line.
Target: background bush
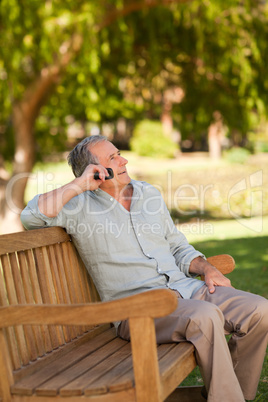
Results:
149 140
237 155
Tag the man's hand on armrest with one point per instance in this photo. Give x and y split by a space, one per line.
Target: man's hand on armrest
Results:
213 277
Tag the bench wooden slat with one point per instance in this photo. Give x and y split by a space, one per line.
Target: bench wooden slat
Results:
67 382
47 291
60 287
71 283
107 367
73 275
39 379
58 354
35 346
9 332
10 243
12 299
176 365
80 275
43 337
64 285
122 376
106 361
17 270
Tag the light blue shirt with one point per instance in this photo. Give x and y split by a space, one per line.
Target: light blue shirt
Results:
125 252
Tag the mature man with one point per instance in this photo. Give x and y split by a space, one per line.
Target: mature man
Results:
129 244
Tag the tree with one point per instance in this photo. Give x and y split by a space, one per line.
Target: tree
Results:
225 71
101 60
215 53
41 43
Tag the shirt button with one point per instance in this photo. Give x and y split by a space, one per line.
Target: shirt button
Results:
148 255
111 199
139 234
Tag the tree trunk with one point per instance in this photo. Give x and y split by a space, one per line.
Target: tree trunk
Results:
13 204
24 116
215 133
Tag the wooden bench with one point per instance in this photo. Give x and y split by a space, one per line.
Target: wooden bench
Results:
56 340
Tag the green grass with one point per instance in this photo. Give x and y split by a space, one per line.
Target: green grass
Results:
250 251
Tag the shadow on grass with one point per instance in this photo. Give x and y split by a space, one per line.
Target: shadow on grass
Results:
250 274
193 216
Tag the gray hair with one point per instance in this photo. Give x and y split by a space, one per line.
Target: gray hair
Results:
81 156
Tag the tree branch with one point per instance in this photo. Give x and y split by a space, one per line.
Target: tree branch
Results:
134 6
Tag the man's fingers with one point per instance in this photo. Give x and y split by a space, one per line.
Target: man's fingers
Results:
211 287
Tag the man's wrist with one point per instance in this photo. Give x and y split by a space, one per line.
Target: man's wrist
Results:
199 266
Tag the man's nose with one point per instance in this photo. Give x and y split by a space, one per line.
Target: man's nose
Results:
123 161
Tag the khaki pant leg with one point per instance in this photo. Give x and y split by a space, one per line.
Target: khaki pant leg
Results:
202 324
246 318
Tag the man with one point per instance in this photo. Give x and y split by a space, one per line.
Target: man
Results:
129 244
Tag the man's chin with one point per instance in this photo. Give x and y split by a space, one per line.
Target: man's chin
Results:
124 178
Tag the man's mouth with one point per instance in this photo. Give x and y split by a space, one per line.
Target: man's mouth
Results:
121 173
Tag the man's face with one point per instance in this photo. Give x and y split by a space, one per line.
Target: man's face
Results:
109 157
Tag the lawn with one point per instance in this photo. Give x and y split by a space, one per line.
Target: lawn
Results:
250 252
219 206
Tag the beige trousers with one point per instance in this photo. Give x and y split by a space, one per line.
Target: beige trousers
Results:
230 371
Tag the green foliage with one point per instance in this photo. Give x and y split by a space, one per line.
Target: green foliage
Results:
214 51
237 155
149 140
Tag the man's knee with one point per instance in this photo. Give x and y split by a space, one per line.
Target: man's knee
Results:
207 321
210 311
262 311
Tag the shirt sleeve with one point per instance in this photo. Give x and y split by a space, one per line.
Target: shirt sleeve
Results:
32 218
182 251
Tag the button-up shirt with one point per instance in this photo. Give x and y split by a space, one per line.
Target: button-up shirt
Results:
125 252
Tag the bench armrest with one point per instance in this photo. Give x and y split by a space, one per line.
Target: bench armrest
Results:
154 303
223 262
140 309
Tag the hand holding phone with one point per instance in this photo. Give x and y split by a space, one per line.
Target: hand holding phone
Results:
109 170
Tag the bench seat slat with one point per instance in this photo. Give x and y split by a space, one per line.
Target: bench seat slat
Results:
99 366
59 382
121 376
28 384
176 365
121 349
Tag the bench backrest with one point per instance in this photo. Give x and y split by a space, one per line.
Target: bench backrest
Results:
41 267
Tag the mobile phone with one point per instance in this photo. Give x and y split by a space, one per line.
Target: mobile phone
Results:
109 170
